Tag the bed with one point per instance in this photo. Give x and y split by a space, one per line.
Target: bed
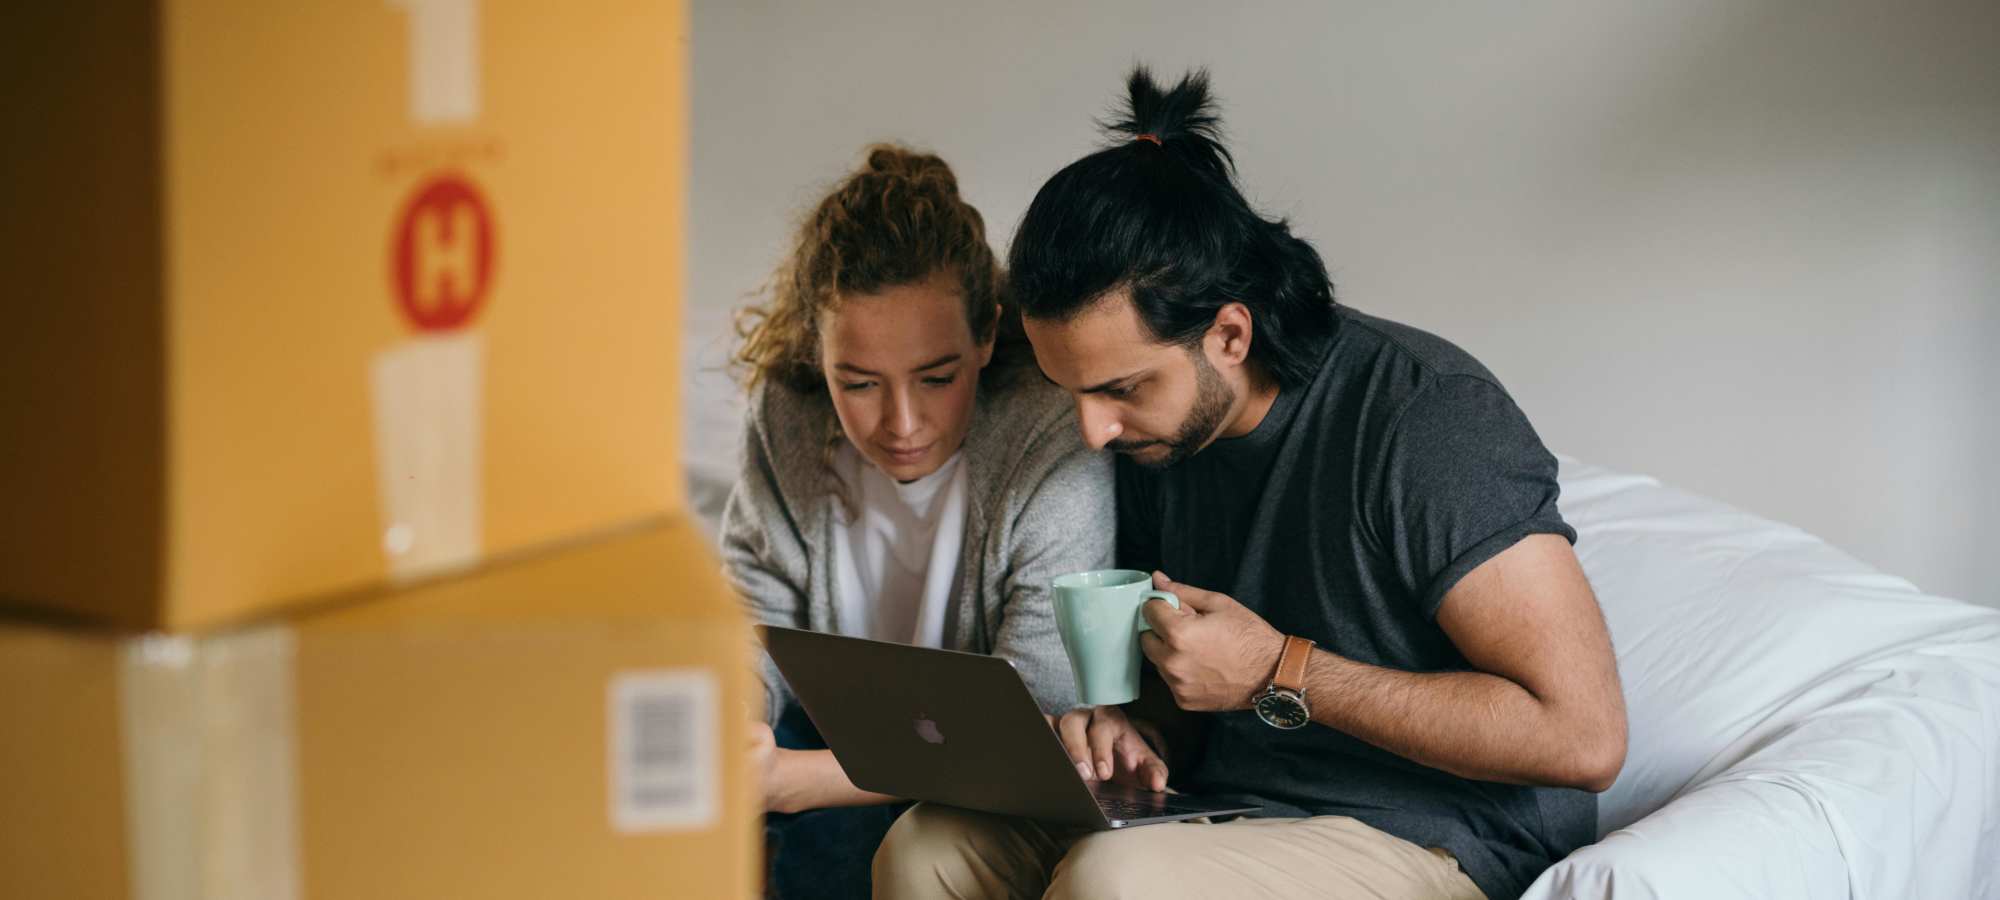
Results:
1802 725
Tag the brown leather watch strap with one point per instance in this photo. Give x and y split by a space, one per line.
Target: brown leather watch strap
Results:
1292 664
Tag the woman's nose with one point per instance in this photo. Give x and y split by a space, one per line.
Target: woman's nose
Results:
904 419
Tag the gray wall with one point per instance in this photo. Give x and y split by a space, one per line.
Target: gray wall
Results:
1752 248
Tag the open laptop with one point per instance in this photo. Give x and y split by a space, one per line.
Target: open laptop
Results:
954 728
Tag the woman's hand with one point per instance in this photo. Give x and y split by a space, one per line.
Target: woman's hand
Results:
1107 746
795 781
764 755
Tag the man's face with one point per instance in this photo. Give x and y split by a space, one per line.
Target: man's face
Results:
1155 402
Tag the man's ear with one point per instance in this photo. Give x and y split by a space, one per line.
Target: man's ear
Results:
1228 338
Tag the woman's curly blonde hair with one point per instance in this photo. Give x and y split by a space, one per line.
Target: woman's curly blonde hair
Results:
895 221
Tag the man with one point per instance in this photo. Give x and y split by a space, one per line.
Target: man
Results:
1295 472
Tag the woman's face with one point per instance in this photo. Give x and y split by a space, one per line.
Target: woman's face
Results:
903 369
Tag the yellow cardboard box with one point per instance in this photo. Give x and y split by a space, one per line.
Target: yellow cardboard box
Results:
304 297
570 725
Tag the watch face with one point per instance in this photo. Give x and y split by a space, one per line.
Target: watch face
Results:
1283 709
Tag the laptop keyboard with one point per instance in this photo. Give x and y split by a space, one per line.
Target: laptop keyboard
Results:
1127 808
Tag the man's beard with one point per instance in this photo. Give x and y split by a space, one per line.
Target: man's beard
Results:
1212 400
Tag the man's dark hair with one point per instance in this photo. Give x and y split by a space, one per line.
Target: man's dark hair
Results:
1158 212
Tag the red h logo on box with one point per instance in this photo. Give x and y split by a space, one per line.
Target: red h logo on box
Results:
441 261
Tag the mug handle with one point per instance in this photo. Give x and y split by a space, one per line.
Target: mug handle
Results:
1144 596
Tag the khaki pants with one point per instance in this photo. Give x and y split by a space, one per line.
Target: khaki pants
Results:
940 851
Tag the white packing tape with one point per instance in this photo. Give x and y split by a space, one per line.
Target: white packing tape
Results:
209 734
428 398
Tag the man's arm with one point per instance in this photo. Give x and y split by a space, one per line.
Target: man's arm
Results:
1543 706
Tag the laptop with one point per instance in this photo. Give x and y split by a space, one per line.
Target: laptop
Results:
954 728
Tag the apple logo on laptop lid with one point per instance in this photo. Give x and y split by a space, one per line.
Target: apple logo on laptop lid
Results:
928 730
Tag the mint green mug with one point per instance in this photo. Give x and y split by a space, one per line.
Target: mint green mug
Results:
1098 615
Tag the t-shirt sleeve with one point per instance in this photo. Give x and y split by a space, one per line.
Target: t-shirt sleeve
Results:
1463 477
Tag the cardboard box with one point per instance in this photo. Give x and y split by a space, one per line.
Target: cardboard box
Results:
571 725
305 297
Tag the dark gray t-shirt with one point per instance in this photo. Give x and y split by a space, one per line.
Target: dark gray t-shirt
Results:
1344 517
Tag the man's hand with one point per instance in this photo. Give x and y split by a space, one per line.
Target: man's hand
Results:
1214 654
1106 746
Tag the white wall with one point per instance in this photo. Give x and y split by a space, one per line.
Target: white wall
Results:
1752 248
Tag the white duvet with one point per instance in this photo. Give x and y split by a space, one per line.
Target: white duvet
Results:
1802 726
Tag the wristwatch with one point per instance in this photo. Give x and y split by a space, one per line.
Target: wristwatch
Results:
1283 703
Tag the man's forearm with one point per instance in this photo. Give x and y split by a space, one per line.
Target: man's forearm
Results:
1471 724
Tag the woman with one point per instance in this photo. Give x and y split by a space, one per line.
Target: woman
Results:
907 476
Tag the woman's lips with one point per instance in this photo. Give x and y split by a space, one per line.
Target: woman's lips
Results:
908 456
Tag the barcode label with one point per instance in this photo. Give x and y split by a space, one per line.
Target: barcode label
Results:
664 772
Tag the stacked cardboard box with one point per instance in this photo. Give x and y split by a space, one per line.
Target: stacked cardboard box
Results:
344 555
559 726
